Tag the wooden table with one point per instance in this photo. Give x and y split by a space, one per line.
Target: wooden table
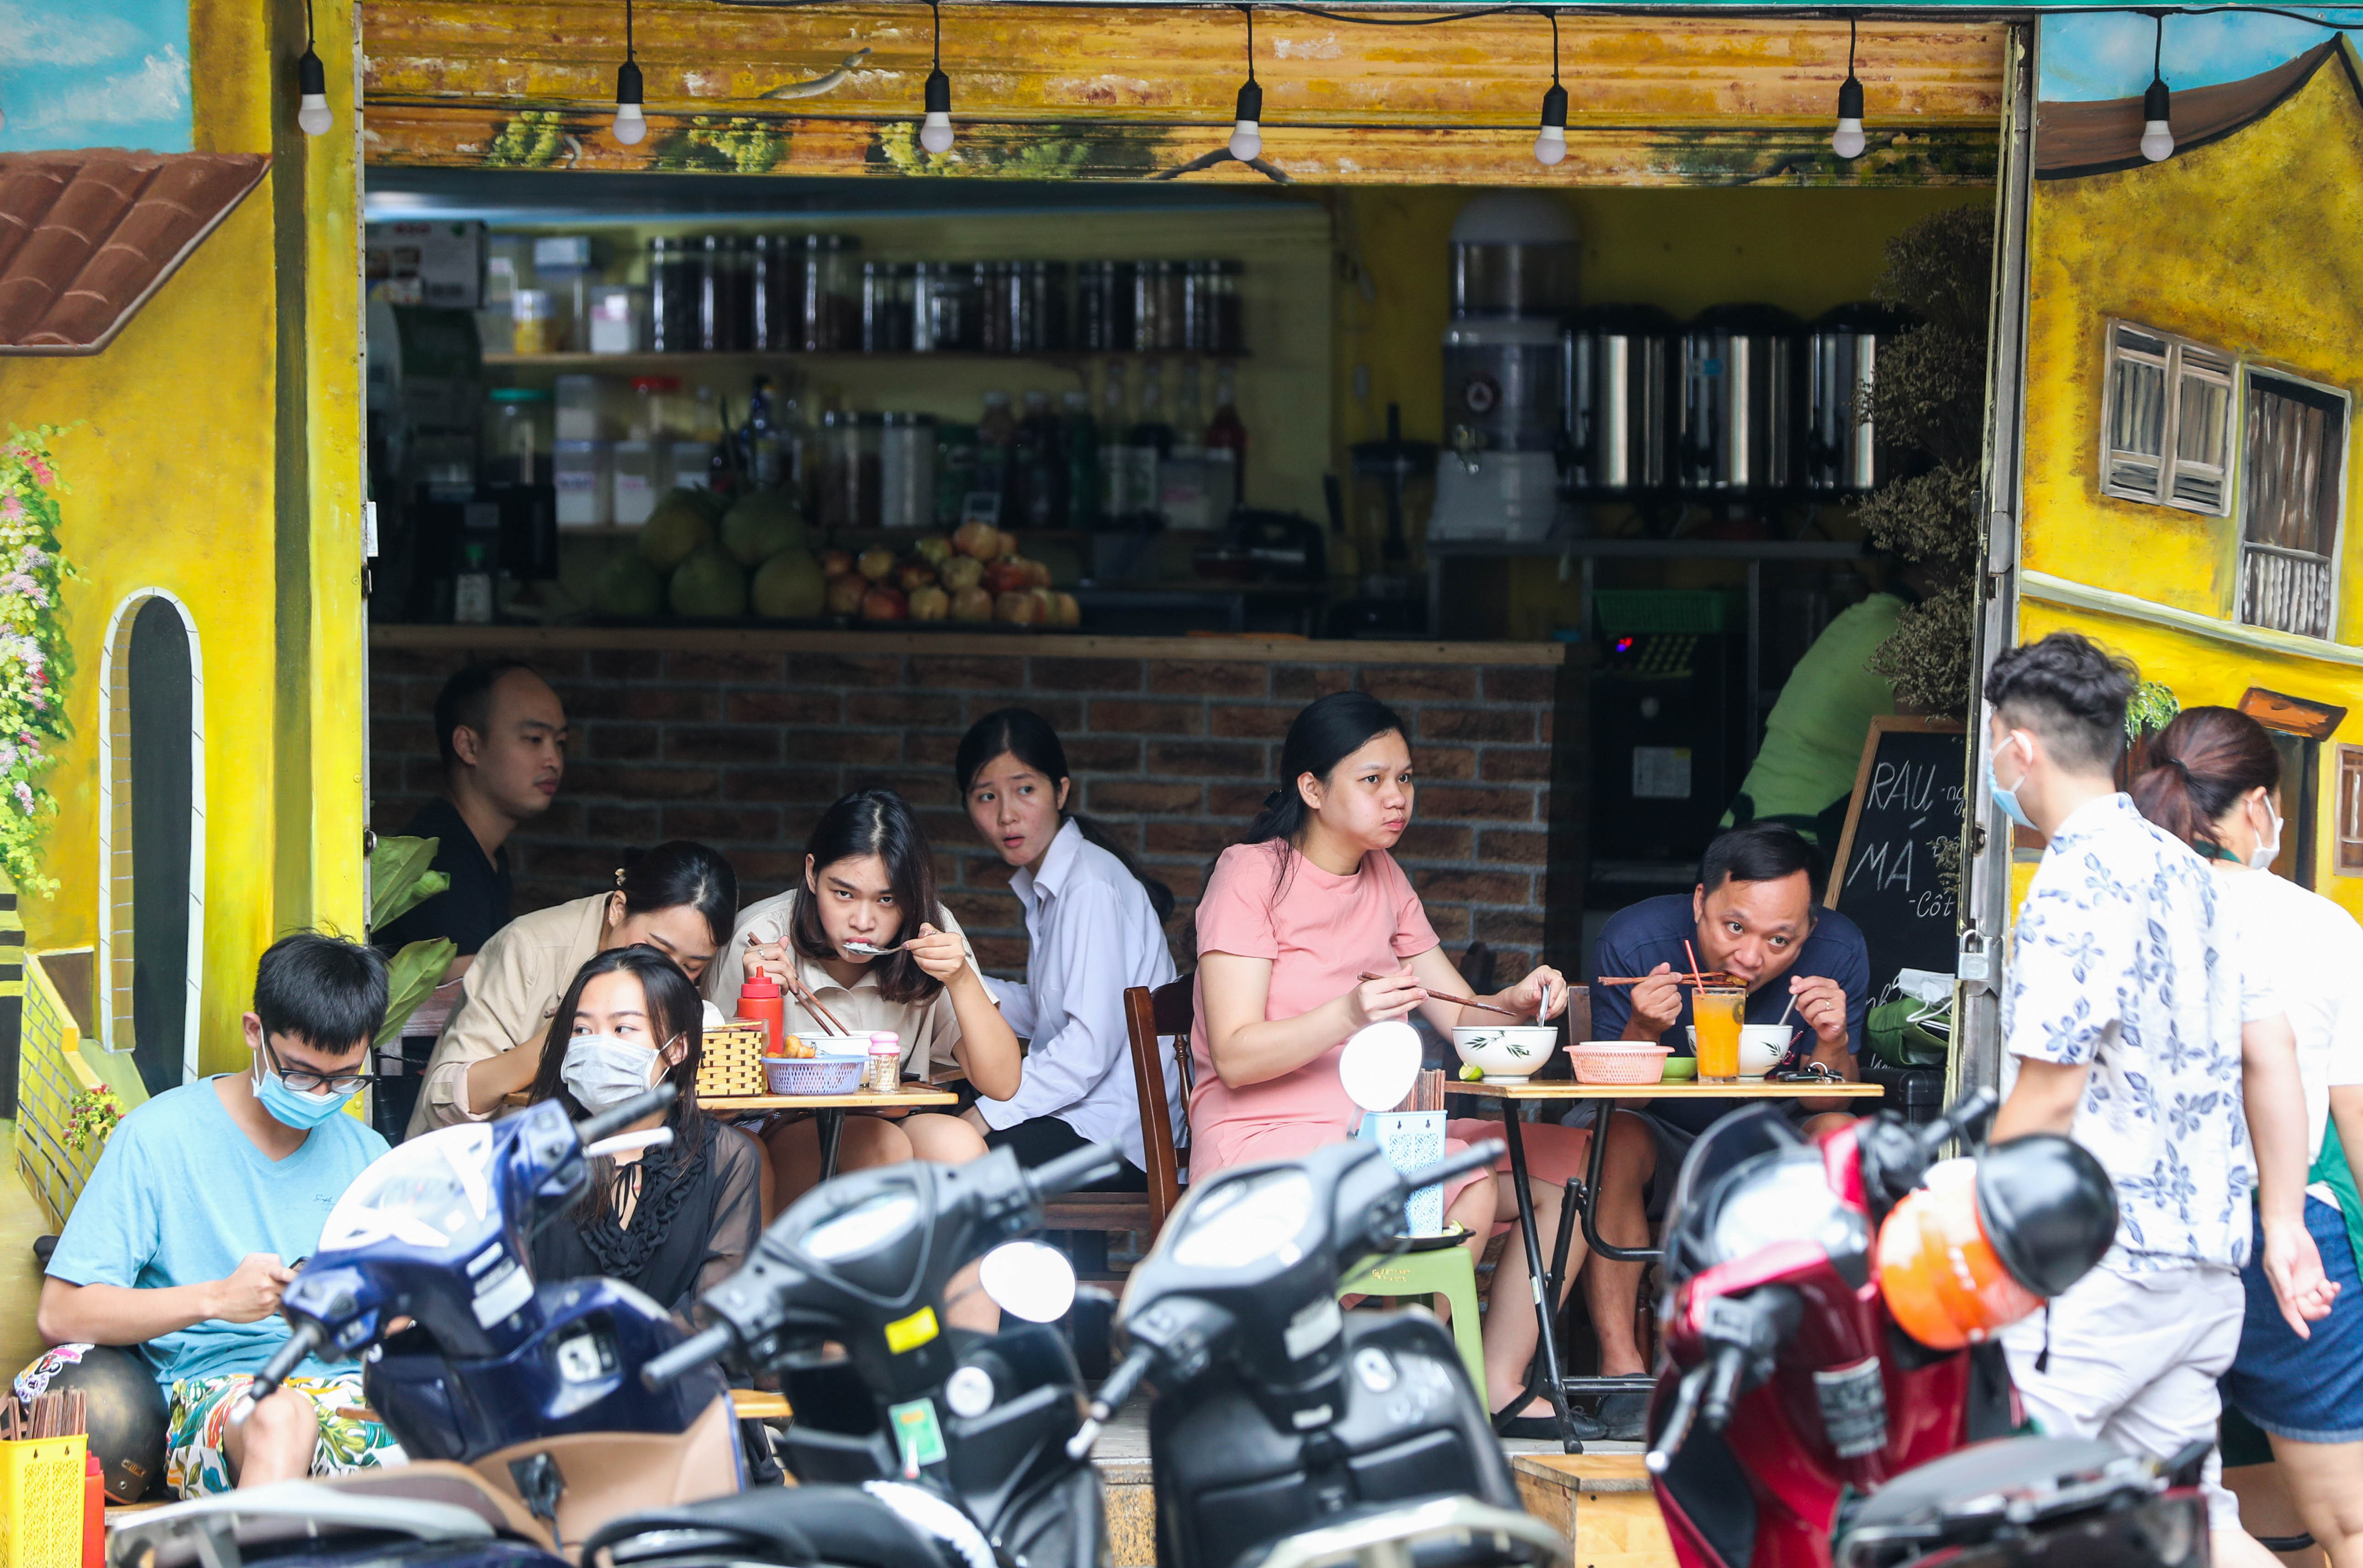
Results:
1548 1378
830 1109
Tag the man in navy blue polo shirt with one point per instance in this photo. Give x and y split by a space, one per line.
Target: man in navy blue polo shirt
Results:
1752 914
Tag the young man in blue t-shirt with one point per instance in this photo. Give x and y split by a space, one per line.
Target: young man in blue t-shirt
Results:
1752 914
203 1201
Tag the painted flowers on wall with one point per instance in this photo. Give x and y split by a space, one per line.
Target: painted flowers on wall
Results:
35 658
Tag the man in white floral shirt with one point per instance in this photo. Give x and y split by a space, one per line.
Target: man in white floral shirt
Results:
2133 1029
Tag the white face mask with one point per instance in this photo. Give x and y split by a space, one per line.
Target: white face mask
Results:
602 1071
2266 850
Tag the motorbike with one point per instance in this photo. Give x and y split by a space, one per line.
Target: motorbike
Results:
1831 1393
1284 1429
528 1385
904 1424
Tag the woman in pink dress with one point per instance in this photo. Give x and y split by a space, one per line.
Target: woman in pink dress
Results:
1289 922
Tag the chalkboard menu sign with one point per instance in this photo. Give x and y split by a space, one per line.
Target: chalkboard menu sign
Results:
1907 800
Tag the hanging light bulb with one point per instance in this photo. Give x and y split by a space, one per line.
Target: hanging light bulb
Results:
936 129
631 124
1847 141
2157 128
1550 142
312 111
1247 119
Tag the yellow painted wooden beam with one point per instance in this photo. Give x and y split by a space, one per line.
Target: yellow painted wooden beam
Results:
1178 63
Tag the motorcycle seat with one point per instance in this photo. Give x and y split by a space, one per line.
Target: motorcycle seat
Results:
2007 1468
843 1527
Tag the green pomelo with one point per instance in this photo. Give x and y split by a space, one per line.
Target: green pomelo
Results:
678 527
762 525
709 583
789 587
628 585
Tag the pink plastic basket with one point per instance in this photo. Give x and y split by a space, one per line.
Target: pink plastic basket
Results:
1618 1062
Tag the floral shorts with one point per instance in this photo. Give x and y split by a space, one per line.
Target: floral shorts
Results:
196 1461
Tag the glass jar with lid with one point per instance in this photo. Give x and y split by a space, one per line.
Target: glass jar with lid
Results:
673 304
517 431
943 307
777 291
725 305
1103 306
907 470
832 314
848 494
886 291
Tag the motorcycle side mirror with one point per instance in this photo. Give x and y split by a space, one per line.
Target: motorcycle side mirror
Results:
1380 1064
1028 1280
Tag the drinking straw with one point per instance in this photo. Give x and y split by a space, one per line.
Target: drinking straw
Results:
1696 979
1787 1010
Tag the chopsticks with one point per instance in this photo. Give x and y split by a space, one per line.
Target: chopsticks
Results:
805 998
1711 977
49 1416
1464 1001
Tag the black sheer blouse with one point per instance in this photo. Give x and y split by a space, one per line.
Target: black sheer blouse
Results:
697 1215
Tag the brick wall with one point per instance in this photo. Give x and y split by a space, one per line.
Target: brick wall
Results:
739 740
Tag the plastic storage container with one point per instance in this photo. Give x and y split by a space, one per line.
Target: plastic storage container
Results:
907 472
41 1502
636 482
584 472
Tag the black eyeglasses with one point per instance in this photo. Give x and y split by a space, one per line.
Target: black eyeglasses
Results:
303 1080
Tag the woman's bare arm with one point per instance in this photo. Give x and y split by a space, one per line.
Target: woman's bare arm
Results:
1247 1048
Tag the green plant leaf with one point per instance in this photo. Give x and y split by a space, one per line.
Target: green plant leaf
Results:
411 978
401 877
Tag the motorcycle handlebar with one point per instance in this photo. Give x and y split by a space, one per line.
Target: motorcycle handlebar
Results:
302 1342
590 1128
1093 1162
1476 1157
1963 1120
691 1352
1722 1387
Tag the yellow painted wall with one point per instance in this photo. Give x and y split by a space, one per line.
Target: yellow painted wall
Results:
2229 244
1681 250
2234 244
216 459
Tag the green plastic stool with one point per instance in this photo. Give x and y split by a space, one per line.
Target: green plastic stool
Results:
1447 1272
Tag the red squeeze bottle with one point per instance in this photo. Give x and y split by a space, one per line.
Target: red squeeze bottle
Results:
94 1514
762 1001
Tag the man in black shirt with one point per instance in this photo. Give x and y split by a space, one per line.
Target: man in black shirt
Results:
502 731
1752 914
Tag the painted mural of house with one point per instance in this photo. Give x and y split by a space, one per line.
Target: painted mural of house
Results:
183 315
2191 473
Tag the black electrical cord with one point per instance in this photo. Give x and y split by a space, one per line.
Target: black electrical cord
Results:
628 30
1248 12
1554 21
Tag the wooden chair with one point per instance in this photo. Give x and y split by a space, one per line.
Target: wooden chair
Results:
1147 1015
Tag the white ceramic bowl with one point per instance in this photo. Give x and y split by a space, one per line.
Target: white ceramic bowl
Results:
1507 1054
1761 1047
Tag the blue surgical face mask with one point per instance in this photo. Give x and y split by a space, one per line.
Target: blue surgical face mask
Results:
2007 799
301 1111
602 1071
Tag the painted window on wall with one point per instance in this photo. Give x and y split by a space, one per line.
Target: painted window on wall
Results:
2350 810
2296 442
2166 426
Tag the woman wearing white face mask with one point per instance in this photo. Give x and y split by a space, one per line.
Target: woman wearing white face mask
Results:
670 1220
2213 782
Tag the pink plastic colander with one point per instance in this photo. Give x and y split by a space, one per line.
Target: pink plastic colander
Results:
1618 1062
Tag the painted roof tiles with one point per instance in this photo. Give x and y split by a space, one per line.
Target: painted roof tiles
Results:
86 236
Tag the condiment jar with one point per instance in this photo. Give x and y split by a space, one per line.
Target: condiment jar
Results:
885 1074
762 1001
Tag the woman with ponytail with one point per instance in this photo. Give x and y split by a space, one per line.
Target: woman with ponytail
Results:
1290 922
1095 926
2215 783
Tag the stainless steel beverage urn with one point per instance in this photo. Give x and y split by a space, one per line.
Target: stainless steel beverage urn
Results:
1844 454
1738 425
1620 401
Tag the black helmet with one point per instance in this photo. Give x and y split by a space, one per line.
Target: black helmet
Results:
126 1411
2048 1208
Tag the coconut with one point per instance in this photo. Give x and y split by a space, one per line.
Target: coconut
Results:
709 583
788 587
678 527
762 525
627 588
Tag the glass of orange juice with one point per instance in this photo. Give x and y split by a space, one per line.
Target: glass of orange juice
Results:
1716 1014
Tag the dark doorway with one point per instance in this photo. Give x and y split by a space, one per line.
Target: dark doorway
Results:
161 685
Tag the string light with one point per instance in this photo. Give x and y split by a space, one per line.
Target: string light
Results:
2157 128
1550 142
1247 123
312 111
936 129
631 124
1847 141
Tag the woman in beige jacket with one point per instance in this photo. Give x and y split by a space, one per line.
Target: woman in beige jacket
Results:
679 898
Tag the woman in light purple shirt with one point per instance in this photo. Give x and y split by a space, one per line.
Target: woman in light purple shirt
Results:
1096 928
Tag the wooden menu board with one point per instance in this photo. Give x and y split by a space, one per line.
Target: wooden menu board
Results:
1907 799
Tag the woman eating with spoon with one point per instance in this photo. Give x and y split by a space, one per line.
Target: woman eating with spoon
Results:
864 943
1290 922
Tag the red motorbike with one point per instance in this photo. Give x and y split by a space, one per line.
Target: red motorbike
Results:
1832 1395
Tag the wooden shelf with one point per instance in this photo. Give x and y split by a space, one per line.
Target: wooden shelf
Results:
1069 359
